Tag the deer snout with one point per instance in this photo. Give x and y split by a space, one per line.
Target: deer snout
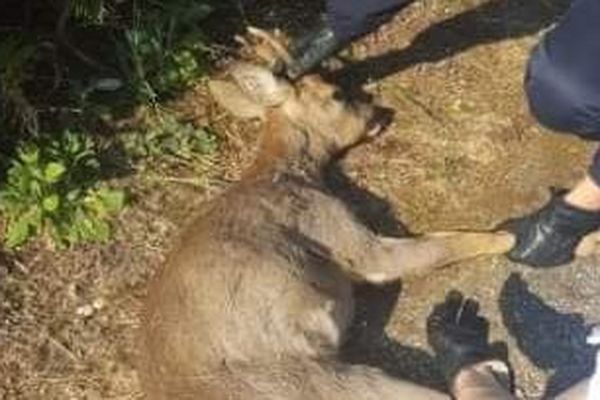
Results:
373 119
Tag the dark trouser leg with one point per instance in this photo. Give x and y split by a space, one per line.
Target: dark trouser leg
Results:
346 19
563 79
351 18
563 86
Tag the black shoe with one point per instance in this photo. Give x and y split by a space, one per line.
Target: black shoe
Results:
312 48
549 236
459 336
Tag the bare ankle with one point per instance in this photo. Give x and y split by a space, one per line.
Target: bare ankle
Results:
585 195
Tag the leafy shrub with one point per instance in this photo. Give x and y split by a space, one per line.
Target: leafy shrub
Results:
52 190
160 53
66 75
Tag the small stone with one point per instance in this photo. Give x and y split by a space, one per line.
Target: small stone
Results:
99 304
85 311
108 84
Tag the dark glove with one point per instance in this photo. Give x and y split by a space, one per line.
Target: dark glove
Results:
459 336
310 49
549 236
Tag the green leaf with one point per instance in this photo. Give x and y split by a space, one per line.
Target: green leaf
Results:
73 195
101 230
113 200
35 189
84 227
29 154
51 203
34 217
17 232
54 171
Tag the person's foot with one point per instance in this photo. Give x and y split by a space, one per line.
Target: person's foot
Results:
549 236
312 48
459 336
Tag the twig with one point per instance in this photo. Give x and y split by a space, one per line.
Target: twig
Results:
63 349
413 99
445 123
21 267
196 182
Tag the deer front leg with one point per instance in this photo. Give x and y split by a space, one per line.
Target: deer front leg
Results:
392 258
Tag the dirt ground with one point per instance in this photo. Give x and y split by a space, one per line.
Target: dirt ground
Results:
462 153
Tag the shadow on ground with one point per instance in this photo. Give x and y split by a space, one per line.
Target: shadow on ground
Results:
553 341
369 344
491 22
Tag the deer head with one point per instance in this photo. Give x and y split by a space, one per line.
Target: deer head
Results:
312 108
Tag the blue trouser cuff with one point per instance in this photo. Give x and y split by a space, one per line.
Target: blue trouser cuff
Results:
352 18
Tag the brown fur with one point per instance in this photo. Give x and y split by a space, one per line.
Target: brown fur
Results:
255 300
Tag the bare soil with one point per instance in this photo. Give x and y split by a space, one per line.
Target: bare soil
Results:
462 153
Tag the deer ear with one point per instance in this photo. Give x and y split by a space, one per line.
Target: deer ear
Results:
260 84
233 99
253 89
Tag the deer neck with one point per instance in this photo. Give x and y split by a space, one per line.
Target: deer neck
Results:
285 148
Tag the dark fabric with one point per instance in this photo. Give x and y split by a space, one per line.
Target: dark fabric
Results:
352 18
459 336
594 169
549 236
563 76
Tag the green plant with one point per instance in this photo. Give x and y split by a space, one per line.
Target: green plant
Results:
162 52
170 140
53 190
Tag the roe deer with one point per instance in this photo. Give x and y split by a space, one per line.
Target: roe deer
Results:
255 301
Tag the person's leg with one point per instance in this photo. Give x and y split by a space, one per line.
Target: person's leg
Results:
563 88
351 18
563 85
345 20
562 82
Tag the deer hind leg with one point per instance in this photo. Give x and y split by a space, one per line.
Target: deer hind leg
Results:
302 379
393 258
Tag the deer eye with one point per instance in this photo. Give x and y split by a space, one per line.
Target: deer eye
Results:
339 96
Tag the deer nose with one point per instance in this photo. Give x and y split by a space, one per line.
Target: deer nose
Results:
377 119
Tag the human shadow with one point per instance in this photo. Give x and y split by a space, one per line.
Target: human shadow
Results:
552 340
366 340
371 210
491 22
369 344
